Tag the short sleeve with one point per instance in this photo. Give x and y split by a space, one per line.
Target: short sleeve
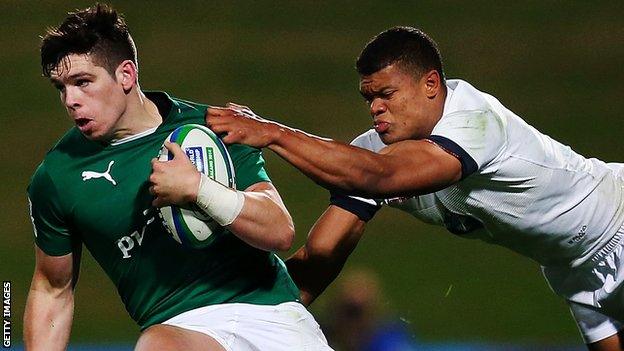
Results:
52 234
365 209
476 138
248 166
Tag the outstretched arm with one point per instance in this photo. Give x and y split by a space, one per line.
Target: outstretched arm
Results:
409 167
50 304
257 215
330 242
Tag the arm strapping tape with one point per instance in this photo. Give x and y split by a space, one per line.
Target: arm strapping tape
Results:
221 203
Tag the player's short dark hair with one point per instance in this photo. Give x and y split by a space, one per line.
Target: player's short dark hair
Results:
98 31
410 48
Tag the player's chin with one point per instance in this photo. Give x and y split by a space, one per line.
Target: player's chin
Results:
92 136
389 138
97 136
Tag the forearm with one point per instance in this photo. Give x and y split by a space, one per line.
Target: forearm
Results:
263 223
257 215
330 242
311 274
47 320
330 163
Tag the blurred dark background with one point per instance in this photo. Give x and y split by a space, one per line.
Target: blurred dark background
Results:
560 65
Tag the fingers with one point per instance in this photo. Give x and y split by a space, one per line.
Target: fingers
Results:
219 128
229 139
218 111
175 149
230 109
215 114
157 202
218 124
236 106
241 110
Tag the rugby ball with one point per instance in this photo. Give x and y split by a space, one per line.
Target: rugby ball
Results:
190 226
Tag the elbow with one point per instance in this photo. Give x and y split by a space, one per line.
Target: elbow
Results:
285 236
284 240
320 251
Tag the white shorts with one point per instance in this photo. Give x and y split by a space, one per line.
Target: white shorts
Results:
594 290
246 327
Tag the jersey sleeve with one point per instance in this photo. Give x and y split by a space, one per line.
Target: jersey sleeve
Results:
365 209
50 225
248 166
476 138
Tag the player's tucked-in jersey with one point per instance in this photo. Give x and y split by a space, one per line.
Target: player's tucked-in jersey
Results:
86 192
520 189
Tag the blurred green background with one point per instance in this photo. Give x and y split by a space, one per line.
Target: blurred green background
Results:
559 64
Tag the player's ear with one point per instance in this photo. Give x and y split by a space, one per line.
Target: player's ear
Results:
127 75
432 81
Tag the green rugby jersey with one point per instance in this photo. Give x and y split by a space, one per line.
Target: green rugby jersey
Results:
97 195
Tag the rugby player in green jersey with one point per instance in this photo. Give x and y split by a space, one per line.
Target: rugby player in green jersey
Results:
98 187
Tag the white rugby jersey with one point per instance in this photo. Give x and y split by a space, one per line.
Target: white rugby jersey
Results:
520 189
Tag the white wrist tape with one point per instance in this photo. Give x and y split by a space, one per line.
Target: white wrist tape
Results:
218 201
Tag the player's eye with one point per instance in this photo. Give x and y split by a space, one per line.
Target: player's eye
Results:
59 87
386 95
82 82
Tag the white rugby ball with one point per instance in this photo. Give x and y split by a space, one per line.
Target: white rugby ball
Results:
191 227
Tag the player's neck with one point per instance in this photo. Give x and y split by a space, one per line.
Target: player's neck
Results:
140 115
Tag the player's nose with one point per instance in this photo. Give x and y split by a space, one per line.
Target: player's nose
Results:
71 98
377 107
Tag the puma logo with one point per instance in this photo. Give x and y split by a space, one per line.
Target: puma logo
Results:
86 175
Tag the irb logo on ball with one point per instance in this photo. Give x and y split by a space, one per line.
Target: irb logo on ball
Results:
203 159
191 228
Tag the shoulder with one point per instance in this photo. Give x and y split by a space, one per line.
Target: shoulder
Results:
40 178
462 96
189 111
473 123
190 106
42 188
470 111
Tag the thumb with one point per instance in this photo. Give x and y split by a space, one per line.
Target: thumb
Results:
175 149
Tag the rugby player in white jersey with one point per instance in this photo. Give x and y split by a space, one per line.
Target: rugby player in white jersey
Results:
452 155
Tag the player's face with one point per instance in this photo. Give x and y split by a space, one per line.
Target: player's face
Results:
94 99
402 107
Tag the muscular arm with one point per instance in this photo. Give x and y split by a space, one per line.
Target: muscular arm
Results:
263 221
406 168
409 167
50 304
330 242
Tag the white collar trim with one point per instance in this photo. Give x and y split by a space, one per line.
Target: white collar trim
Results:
133 137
